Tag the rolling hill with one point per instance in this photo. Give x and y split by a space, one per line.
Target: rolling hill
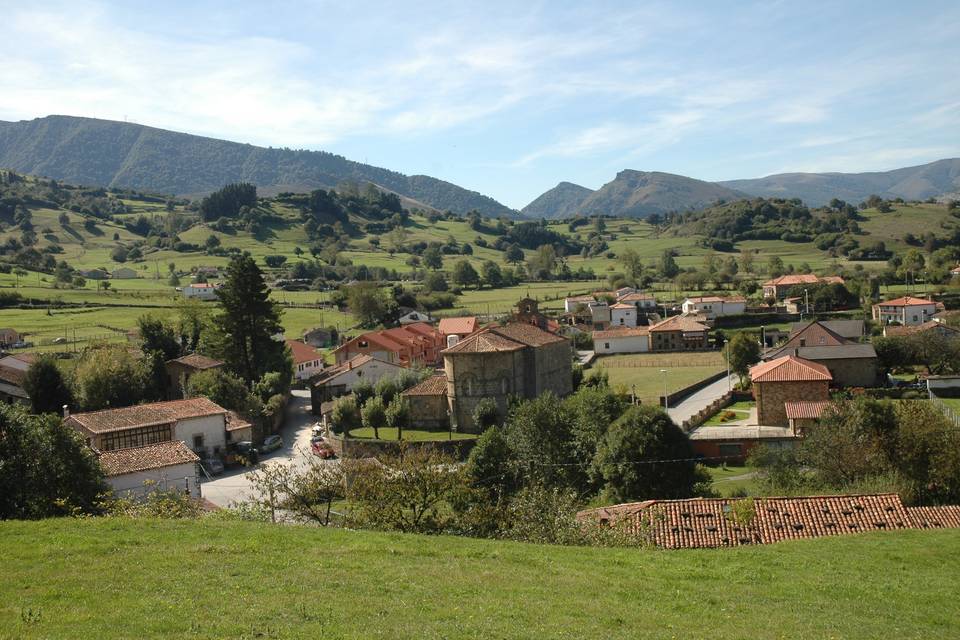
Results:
930 180
639 194
563 201
119 154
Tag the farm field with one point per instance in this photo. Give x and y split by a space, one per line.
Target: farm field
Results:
113 577
640 373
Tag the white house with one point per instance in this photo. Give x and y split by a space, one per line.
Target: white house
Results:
570 304
600 314
626 340
714 306
201 291
623 315
11 386
199 422
642 301
415 316
906 311
307 361
136 471
339 380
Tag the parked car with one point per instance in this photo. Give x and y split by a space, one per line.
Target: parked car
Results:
60 340
212 466
322 449
271 443
242 453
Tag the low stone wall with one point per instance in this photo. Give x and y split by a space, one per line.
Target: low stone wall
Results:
682 394
717 405
364 448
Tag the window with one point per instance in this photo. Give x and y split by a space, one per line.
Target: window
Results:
606 345
803 342
731 450
198 441
137 437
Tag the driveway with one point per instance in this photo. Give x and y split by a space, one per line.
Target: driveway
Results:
233 486
699 400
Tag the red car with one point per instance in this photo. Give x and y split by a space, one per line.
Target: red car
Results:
322 448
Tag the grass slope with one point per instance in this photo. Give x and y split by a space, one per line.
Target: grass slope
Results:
108 578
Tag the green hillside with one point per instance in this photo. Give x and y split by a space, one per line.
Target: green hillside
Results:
112 578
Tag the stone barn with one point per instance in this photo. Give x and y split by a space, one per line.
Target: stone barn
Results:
514 360
787 380
428 404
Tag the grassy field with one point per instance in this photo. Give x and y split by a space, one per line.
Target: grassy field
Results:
113 578
640 372
742 409
729 479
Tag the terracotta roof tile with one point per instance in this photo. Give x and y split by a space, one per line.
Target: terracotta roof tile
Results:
905 301
12 376
947 516
680 323
626 332
458 326
789 369
145 414
806 409
303 352
907 330
154 456
510 337
432 386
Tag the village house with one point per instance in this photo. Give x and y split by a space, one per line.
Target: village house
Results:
201 291
413 315
339 380
307 361
238 428
19 361
123 273
623 315
94 274
11 386
600 314
699 523
320 337
778 288
199 422
415 344
428 404
454 330
517 359
9 337
678 333
852 364
625 340
804 414
852 330
787 379
527 311
712 307
939 328
645 303
180 370
162 466
574 303
906 311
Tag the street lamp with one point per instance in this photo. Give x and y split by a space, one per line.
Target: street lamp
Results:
666 398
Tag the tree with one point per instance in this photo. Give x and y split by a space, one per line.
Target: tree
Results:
486 414
465 275
274 261
64 219
633 265
46 470
543 262
306 490
432 258
491 465
373 415
369 303
514 254
397 415
108 377
644 455
492 275
775 267
228 390
434 281
668 266
345 415
46 386
740 353
746 260
248 320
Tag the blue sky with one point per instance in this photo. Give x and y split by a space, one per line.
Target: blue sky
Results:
511 98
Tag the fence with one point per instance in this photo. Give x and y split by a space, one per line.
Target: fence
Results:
949 413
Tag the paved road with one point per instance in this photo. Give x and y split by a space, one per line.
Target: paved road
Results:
233 486
700 399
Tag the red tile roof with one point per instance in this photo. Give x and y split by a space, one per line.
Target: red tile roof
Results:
935 517
154 456
728 522
235 422
143 415
635 297
789 369
511 337
626 332
680 323
806 409
432 386
197 361
621 305
905 301
458 326
12 376
303 352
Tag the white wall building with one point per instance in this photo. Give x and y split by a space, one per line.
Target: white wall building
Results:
570 304
714 306
137 471
339 380
307 361
201 291
623 315
628 340
907 311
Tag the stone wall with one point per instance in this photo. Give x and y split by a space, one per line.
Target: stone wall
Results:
429 411
772 395
363 448
472 377
852 372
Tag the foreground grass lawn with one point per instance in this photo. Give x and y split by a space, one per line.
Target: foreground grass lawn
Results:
109 578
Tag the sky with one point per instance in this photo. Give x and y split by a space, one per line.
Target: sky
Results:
510 98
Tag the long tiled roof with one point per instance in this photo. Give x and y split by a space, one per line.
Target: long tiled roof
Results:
679 323
806 409
510 337
303 352
432 386
789 369
458 326
143 415
728 522
907 330
154 456
712 299
197 361
12 376
626 332
848 329
852 351
905 301
935 517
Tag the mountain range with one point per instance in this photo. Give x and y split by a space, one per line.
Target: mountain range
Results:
119 154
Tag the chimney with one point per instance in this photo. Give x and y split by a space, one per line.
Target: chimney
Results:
66 411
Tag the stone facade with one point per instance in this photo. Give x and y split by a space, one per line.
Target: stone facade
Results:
851 372
771 397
